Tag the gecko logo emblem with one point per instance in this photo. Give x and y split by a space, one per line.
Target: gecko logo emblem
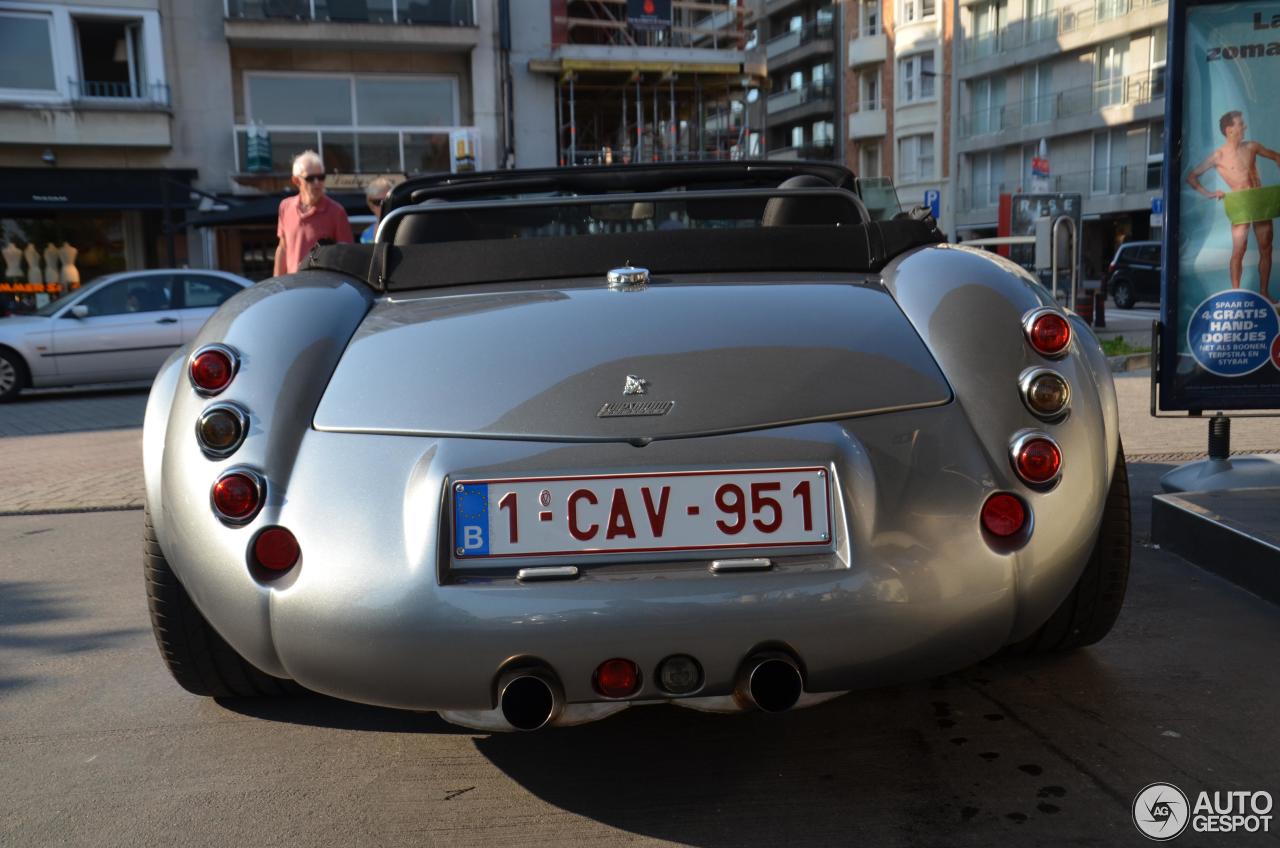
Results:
1161 811
635 385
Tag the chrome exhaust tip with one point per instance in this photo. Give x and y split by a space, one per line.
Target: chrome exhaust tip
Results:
530 700
770 682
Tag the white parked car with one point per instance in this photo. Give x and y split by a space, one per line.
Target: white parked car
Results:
118 328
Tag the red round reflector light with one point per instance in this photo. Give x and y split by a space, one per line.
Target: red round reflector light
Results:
1049 334
617 678
236 496
276 549
212 370
1003 515
1037 460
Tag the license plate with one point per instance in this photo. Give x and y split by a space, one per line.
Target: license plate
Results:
638 513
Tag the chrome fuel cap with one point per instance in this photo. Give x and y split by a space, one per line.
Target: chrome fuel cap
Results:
628 278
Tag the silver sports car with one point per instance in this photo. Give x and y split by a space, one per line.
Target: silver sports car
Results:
564 442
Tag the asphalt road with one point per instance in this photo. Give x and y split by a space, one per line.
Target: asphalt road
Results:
98 746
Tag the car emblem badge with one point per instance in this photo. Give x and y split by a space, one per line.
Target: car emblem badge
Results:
632 408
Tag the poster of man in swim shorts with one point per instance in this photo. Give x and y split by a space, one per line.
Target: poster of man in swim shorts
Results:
1221 340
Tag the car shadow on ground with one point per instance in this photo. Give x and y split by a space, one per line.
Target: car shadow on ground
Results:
316 710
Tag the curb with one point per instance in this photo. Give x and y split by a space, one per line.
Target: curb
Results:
1130 362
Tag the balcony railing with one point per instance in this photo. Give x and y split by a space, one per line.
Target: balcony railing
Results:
1131 90
812 31
867 104
807 93
1116 179
422 12
155 94
819 150
1068 19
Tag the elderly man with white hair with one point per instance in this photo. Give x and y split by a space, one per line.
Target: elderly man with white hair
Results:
308 218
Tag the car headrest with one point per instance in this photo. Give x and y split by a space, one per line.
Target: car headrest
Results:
812 211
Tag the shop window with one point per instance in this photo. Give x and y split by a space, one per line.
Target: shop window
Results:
110 54
26 53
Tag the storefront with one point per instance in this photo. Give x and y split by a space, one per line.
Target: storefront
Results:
63 227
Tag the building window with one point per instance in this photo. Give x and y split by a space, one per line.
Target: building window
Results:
1042 22
869 90
110 55
985 172
915 158
797 136
986 103
1109 162
917 10
869 17
358 124
26 53
869 160
1155 155
1105 10
916 73
1037 92
1159 49
823 133
988 22
1110 67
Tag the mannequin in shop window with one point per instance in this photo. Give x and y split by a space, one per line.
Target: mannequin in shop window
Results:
12 263
50 264
34 274
70 273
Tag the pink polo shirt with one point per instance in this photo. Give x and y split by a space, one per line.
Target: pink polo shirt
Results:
301 231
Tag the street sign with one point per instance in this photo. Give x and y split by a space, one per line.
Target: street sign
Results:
933 199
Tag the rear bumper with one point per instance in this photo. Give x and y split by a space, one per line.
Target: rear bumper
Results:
372 613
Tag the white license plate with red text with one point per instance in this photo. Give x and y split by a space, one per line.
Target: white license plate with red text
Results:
635 513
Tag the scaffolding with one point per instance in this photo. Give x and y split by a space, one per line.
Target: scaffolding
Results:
676 94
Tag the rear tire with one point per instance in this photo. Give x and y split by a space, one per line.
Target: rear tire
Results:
198 658
1122 294
1090 611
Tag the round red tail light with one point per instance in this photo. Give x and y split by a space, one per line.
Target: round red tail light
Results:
212 369
1048 332
1037 459
617 678
237 496
1003 515
276 549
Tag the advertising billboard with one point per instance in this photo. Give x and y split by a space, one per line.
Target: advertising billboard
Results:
1220 340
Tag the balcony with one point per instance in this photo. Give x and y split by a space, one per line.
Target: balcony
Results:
812 40
96 113
868 120
127 95
868 48
447 25
1131 90
1116 185
807 101
1076 18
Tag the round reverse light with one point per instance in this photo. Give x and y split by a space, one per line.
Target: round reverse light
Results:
221 429
237 496
679 674
1037 459
212 369
617 678
1045 392
276 549
1048 332
1003 515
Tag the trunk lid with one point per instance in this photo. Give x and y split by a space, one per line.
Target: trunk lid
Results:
671 360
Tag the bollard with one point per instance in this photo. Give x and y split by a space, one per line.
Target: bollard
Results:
1100 308
1084 306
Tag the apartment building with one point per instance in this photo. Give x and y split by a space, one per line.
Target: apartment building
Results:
592 84
802 45
1079 84
104 120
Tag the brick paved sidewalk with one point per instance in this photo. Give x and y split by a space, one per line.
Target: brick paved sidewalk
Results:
69 410
102 469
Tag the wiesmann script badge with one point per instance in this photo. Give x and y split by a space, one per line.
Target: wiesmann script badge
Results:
631 408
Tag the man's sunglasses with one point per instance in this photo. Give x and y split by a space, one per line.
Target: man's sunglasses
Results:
314 178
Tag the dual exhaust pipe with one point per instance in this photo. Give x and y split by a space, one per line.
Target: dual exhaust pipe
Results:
531 698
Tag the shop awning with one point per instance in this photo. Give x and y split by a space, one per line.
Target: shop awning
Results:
31 189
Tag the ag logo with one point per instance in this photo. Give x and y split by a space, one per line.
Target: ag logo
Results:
1161 811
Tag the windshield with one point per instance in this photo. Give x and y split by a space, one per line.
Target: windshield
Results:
57 303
